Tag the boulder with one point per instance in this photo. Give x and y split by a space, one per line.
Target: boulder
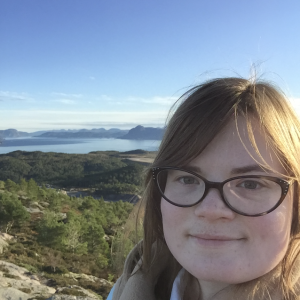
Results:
70 297
34 210
20 279
18 283
3 245
100 281
36 205
74 292
12 293
6 236
44 204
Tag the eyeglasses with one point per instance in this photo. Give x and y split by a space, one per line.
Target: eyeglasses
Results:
250 195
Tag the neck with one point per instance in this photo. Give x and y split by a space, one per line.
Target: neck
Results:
215 290
205 290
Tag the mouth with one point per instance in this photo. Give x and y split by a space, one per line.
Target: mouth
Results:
215 240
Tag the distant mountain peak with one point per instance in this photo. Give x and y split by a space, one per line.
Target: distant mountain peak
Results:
144 133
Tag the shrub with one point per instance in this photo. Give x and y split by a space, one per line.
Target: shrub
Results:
30 268
17 248
72 292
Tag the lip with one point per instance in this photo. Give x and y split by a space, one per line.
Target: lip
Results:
214 240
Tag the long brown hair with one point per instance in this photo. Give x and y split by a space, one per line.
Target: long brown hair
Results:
201 114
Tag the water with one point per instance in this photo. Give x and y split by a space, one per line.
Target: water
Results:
79 146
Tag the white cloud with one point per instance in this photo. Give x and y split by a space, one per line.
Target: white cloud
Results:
161 100
158 100
105 98
165 101
32 120
67 95
66 101
13 96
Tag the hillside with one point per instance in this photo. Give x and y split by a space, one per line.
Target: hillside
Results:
56 241
108 172
61 245
12 133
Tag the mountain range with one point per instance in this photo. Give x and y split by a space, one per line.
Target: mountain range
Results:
144 133
137 133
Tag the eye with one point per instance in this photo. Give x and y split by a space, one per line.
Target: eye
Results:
188 180
250 184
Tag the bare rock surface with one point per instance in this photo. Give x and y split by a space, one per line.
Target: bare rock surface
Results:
18 283
15 280
12 294
91 278
6 236
3 245
34 210
74 292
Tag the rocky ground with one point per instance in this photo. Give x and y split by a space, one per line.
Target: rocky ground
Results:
17 283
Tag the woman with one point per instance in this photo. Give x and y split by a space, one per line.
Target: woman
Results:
222 200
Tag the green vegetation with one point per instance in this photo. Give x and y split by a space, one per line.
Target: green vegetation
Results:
56 234
63 235
108 172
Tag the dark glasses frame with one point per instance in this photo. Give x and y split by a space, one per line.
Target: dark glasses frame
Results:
219 186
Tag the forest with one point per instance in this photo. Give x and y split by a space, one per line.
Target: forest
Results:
79 235
55 234
108 172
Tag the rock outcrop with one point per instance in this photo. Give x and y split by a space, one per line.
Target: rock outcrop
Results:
4 237
12 293
18 283
3 245
15 280
74 292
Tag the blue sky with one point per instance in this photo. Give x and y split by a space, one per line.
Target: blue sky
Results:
95 63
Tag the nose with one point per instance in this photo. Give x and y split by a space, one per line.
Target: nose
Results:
213 207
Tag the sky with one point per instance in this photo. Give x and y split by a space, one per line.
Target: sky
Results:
72 64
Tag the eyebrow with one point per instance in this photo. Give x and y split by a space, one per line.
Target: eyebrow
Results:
193 169
234 171
247 169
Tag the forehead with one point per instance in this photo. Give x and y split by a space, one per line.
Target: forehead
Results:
232 148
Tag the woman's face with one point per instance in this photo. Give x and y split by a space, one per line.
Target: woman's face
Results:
211 241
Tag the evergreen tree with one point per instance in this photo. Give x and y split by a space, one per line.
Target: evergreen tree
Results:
12 212
11 186
73 237
51 229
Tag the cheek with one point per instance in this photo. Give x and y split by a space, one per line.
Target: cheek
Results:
169 213
273 229
173 220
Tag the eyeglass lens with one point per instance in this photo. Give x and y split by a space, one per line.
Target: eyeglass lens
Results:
247 195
